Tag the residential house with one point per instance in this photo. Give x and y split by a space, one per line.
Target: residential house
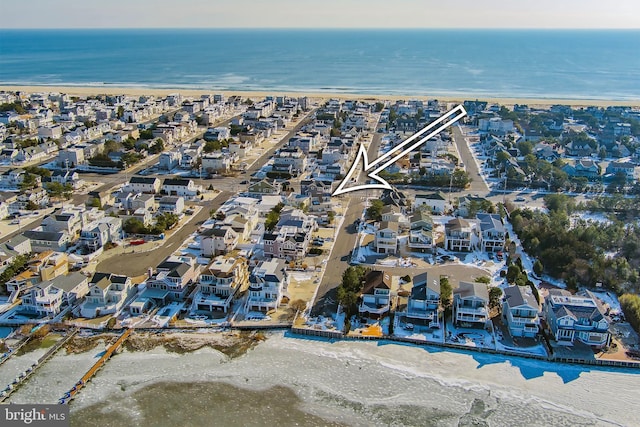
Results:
421 237
267 283
471 304
172 279
265 186
386 239
627 169
469 206
98 233
580 317
492 232
48 240
217 162
180 187
220 283
129 201
217 241
520 310
139 184
376 294
461 235
68 220
436 201
47 298
107 294
579 149
171 204
392 213
423 305
583 168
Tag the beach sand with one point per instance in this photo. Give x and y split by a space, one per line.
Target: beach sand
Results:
103 90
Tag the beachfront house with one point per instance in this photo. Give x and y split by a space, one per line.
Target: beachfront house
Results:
107 293
267 282
579 317
220 283
375 296
172 279
48 298
423 305
471 305
520 311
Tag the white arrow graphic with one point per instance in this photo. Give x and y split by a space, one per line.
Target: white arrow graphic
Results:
441 123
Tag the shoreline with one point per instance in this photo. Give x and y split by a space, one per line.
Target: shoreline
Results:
147 91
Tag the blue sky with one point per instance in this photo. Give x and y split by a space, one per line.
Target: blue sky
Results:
320 14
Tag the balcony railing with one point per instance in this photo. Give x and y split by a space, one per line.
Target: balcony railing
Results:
419 314
463 318
477 311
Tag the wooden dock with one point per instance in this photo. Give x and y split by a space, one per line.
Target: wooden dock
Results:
24 376
69 396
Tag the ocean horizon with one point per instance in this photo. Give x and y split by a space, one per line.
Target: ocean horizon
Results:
541 64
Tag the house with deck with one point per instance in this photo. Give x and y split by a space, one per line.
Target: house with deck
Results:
220 283
461 235
424 310
471 305
376 295
421 237
581 317
107 294
520 310
386 238
492 232
267 283
48 298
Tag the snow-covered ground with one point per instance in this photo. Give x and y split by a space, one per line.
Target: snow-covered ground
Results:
611 300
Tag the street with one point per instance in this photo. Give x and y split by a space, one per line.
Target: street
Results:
135 264
326 300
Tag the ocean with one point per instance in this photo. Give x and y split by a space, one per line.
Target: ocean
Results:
287 381
564 64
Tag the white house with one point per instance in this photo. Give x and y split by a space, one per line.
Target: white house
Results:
492 232
107 293
471 304
139 184
386 239
436 201
266 285
171 204
520 310
97 233
180 187
47 298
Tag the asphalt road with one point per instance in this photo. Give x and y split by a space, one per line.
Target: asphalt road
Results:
477 185
137 263
326 301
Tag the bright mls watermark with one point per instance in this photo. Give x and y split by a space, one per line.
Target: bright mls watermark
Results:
34 415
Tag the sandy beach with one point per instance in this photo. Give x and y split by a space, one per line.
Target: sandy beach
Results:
109 90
